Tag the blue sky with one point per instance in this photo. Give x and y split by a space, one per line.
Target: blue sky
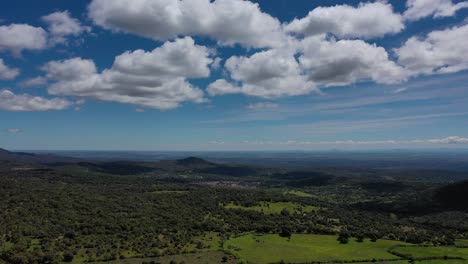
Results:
233 75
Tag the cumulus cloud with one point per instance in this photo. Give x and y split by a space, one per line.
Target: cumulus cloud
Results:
227 21
268 74
439 52
331 63
19 37
221 87
61 25
24 102
367 20
7 73
299 63
262 105
69 70
418 9
155 79
300 69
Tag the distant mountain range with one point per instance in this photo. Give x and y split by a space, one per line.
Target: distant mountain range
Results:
6 155
125 167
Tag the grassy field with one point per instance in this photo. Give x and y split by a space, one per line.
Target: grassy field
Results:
274 208
169 192
209 241
441 261
462 243
424 252
305 248
300 194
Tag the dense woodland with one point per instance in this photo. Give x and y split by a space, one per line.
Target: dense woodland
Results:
96 211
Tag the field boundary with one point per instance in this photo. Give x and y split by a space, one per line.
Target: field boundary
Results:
392 250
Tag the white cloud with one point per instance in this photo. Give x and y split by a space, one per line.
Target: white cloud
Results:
13 130
69 70
342 142
368 20
156 79
262 105
24 102
7 73
227 21
221 87
399 90
343 62
216 142
262 66
354 142
450 140
447 140
442 51
288 67
300 69
61 24
179 58
418 9
36 81
19 37
216 63
268 74
443 141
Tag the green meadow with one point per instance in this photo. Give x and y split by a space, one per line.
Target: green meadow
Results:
300 194
462 243
438 261
274 208
301 248
435 261
170 192
208 242
427 252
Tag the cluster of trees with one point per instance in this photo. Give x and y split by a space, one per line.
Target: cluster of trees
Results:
51 216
